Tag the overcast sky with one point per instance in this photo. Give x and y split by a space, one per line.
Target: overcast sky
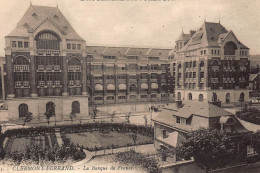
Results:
143 23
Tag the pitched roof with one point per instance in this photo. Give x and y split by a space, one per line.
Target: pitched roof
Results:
188 109
252 77
158 52
183 37
35 15
137 51
207 35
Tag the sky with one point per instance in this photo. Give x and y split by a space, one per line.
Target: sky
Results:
143 23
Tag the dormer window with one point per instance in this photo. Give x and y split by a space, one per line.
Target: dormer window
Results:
26 26
55 17
35 16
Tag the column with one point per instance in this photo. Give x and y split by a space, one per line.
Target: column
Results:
84 76
10 79
65 76
206 76
183 75
198 74
33 77
127 86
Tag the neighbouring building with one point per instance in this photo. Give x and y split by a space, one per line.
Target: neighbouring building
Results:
211 60
177 119
50 68
46 67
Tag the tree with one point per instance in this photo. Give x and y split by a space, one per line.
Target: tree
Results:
210 148
145 120
135 138
255 143
28 118
72 116
127 117
112 116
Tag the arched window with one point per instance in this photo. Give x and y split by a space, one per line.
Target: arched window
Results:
164 88
132 88
20 60
201 98
47 40
50 108
214 62
74 61
190 96
23 110
202 64
110 98
75 107
242 97
230 48
179 96
227 98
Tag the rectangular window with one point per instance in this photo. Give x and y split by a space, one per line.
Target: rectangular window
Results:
25 76
13 43
73 46
26 44
143 67
71 76
153 58
110 77
194 74
212 51
68 46
178 120
154 67
218 52
57 76
109 57
153 76
194 63
79 46
20 44
49 76
164 133
98 78
204 51
132 77
41 76
121 76
215 51
201 74
201 52
143 76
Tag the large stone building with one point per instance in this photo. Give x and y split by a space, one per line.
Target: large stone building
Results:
211 60
50 68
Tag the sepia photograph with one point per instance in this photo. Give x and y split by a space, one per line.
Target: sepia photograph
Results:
130 86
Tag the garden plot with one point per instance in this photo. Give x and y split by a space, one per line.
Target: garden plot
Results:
106 139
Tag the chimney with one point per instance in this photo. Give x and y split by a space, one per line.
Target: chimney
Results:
192 32
178 103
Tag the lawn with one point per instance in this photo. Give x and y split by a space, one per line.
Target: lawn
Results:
20 144
107 139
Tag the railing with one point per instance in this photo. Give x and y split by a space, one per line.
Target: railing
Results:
18 68
41 83
47 52
25 83
49 83
229 68
56 67
202 79
18 83
73 68
214 80
243 68
48 67
71 82
215 68
57 83
41 67
21 84
77 82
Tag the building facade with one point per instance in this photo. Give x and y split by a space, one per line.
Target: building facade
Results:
125 75
50 68
211 60
45 66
